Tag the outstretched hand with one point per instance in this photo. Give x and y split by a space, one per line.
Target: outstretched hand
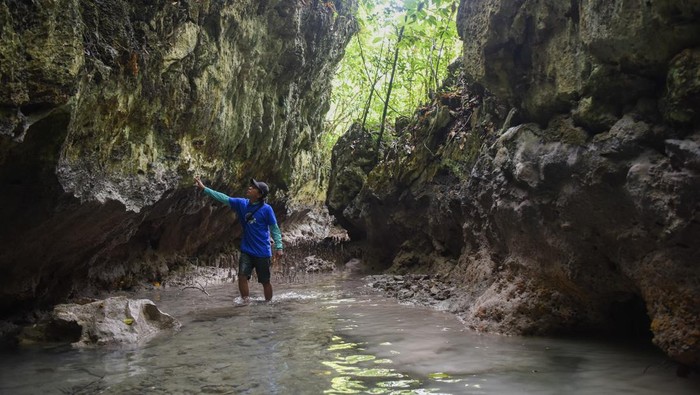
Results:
198 183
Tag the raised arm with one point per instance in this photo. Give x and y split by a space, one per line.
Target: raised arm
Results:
218 196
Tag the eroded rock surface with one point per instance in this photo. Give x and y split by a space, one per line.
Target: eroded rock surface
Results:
601 56
557 189
109 108
112 322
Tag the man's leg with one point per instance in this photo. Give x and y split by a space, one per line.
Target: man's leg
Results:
262 267
267 289
245 268
243 286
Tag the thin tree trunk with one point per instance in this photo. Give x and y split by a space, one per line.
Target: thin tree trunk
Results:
437 63
374 81
442 46
388 91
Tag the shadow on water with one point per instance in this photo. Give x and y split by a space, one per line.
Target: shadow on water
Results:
332 335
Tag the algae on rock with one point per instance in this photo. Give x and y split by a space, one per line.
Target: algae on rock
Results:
109 108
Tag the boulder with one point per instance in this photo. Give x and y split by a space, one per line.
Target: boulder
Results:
113 321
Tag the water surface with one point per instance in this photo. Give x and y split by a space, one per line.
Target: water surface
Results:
332 335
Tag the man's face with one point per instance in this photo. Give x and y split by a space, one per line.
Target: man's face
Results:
253 193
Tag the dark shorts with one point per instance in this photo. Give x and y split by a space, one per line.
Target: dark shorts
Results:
261 265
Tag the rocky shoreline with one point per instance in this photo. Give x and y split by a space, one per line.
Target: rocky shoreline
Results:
39 325
418 289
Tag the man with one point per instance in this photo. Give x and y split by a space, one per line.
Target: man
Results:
258 222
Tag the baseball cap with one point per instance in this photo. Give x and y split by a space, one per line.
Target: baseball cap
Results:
262 187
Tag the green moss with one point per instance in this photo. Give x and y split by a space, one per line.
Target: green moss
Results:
472 148
456 168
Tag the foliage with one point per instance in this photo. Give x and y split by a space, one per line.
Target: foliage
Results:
423 36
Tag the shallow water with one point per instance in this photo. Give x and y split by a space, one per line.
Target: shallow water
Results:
332 335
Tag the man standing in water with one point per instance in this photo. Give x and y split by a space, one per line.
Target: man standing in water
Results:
258 221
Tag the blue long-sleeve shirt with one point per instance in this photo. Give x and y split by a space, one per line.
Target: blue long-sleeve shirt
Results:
257 228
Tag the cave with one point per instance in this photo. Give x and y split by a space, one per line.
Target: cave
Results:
628 320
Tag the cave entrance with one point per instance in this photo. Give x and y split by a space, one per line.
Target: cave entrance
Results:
628 318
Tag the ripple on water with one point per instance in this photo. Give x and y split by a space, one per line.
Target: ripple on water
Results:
330 338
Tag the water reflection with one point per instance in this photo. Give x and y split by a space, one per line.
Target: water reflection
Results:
359 373
334 337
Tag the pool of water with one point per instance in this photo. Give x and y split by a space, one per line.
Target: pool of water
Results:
330 334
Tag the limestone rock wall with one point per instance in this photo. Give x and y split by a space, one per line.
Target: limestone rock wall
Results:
109 108
558 188
594 57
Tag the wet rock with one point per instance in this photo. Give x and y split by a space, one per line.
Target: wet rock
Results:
416 289
112 321
313 264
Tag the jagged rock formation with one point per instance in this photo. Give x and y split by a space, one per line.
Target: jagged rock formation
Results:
595 59
109 108
353 157
584 216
